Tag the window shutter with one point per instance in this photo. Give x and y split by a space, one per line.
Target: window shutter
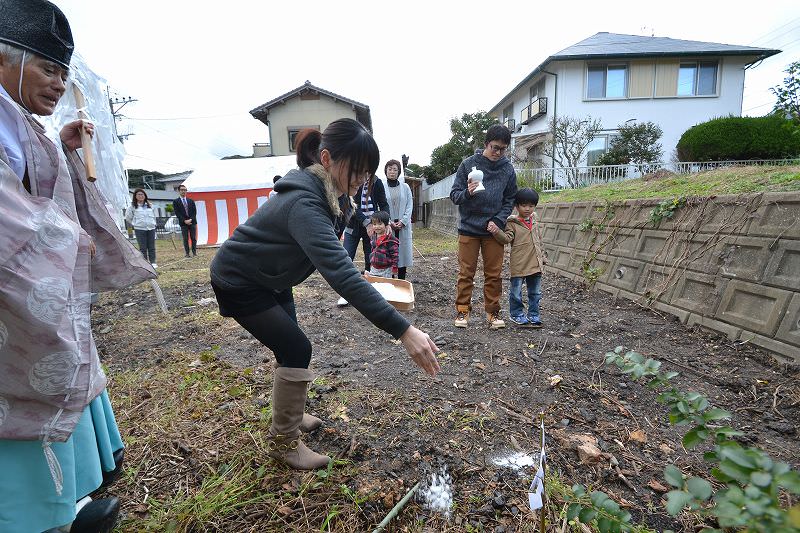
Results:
667 77
641 84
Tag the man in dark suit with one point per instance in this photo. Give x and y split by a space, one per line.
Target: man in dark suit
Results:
186 212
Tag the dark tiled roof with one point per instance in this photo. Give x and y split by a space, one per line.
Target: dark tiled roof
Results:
178 176
620 45
362 110
606 45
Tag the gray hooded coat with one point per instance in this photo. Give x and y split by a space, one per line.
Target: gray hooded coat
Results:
292 235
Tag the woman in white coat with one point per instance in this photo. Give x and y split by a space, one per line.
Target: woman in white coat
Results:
401 204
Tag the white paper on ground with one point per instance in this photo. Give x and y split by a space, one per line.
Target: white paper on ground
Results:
536 489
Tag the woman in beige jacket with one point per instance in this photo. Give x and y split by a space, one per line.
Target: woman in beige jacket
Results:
527 258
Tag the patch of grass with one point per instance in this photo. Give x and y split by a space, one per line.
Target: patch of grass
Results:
736 180
431 242
222 493
197 460
173 278
468 419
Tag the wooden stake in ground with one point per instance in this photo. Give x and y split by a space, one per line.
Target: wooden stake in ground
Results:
86 139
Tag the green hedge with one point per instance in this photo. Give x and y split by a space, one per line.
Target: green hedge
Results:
738 138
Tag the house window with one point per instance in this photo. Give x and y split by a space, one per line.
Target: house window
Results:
697 78
508 113
595 149
293 131
607 81
537 90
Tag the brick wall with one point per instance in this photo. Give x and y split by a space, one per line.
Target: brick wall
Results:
729 263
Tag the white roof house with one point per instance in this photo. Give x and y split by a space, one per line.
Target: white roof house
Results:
239 174
622 78
229 191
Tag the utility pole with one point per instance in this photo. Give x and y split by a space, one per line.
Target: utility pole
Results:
115 104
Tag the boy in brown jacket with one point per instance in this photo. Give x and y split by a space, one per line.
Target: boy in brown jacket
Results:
527 258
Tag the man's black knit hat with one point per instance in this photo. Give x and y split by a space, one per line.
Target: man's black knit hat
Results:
37 26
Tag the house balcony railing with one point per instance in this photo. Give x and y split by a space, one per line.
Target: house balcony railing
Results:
536 109
510 123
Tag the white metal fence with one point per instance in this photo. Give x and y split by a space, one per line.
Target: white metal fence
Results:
556 179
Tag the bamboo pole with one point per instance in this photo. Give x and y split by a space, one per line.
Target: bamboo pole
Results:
396 509
542 519
86 139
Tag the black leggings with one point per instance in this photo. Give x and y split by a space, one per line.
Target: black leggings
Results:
277 329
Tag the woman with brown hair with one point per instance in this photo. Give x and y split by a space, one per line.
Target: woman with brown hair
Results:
142 217
284 242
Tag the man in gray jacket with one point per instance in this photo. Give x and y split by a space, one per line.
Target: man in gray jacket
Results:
481 212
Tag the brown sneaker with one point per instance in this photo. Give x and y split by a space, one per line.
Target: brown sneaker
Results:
495 322
461 321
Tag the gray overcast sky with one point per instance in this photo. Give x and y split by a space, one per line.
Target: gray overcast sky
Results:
199 70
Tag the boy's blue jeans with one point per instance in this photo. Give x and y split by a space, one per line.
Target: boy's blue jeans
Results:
515 306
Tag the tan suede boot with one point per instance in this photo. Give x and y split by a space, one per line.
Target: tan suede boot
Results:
309 422
289 390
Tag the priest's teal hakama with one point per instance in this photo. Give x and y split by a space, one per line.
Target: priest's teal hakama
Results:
28 500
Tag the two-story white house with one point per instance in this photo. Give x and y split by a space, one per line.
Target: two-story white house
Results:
623 78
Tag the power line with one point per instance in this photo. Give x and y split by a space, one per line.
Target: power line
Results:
756 107
781 35
190 118
203 150
156 161
773 31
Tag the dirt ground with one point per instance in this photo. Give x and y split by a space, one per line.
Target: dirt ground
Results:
389 426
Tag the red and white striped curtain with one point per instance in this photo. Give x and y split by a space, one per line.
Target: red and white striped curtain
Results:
219 212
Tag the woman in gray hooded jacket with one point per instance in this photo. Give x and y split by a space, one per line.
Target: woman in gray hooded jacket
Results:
278 247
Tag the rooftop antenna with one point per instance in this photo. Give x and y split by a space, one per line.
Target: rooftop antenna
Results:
644 29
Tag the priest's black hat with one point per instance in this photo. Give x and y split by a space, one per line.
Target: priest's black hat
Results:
37 26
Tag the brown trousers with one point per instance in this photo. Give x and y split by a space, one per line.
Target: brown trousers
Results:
492 253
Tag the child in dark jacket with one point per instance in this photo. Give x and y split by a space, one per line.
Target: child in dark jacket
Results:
385 247
527 258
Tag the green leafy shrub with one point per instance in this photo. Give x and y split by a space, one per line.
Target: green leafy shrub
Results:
752 482
740 138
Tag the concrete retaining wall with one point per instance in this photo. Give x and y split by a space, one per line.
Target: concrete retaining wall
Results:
730 263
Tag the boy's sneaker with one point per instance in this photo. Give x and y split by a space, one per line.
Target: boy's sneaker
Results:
495 322
462 320
520 320
534 322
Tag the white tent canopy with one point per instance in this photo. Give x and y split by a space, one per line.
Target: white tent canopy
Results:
239 174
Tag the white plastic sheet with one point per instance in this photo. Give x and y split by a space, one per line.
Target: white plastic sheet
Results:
108 151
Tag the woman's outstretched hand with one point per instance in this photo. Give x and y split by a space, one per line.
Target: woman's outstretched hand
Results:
422 350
